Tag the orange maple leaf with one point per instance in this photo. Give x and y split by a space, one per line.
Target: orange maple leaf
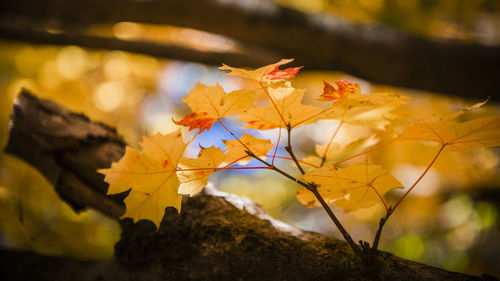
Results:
212 103
338 90
266 74
281 74
197 121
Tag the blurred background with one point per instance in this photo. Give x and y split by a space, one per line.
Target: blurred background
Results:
450 221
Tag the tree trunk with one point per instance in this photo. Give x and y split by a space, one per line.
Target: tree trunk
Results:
216 237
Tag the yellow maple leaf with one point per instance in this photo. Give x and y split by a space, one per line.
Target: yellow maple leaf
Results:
337 152
195 172
211 103
358 186
235 150
285 108
375 109
462 111
457 136
151 174
268 74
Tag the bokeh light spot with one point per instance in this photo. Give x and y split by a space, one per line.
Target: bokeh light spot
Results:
72 62
487 214
108 96
117 66
409 247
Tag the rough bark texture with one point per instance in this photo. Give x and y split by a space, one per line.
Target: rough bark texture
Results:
216 237
67 148
377 53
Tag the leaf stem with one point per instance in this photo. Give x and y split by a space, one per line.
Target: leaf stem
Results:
236 138
272 101
290 151
380 197
235 161
367 150
277 144
277 169
421 176
313 116
217 169
289 158
323 158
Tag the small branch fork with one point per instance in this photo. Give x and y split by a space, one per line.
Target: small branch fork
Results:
290 151
363 250
314 189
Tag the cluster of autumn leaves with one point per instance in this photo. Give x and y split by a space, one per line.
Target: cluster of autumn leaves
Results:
158 175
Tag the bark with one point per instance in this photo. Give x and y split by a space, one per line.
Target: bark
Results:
216 237
377 53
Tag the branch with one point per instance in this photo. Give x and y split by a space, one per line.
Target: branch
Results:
258 57
217 236
377 53
67 148
289 149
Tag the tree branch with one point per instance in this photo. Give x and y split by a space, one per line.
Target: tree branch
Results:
67 148
217 236
257 59
377 53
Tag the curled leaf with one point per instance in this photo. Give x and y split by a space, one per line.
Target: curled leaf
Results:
267 74
338 90
196 121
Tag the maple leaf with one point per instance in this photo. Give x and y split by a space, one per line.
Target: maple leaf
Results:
211 103
268 74
151 176
462 111
197 121
375 109
337 152
287 105
358 186
194 178
457 136
235 149
195 175
338 90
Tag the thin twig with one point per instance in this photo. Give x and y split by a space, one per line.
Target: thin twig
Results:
421 176
314 189
278 169
272 102
277 144
380 227
234 136
323 158
290 151
290 159
347 237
